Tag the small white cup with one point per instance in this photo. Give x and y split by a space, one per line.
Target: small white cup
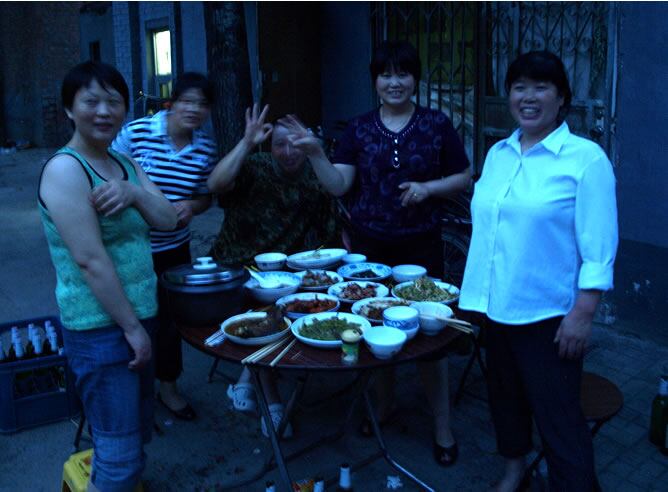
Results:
405 318
353 258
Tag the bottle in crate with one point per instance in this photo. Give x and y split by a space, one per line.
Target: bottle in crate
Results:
3 357
658 431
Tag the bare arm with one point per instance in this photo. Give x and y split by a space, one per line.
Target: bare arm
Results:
65 191
226 171
414 192
575 329
116 195
337 179
187 209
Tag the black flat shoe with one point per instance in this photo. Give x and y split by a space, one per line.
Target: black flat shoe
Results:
366 428
185 413
446 456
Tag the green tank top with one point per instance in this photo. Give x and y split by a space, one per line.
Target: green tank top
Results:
126 239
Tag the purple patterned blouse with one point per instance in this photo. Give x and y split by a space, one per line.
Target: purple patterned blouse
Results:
427 148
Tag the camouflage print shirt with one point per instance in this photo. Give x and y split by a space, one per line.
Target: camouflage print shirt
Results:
269 210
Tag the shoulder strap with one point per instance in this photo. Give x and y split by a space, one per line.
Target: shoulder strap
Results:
80 160
124 162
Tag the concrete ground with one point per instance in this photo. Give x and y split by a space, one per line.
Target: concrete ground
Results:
222 446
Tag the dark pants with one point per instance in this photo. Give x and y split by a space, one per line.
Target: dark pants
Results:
168 357
527 378
423 249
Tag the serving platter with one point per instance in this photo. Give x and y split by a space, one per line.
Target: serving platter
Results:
442 285
337 290
359 306
326 344
253 340
321 258
306 296
352 271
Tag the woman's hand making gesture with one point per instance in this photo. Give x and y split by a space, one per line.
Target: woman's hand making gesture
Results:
257 131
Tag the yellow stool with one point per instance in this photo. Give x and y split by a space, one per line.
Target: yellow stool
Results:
76 472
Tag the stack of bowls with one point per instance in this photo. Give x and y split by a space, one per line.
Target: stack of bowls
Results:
404 318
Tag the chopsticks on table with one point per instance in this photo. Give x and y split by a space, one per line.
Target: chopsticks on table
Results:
264 351
216 339
283 352
457 324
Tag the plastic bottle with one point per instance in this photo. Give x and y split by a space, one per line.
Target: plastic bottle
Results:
345 479
658 429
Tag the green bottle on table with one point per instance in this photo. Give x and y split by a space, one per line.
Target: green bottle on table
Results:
658 429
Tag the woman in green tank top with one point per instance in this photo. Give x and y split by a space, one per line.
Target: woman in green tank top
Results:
96 207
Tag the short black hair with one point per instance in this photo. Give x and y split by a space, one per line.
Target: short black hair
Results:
397 55
83 74
193 80
541 66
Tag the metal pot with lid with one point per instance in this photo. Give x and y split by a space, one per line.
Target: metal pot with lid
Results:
204 293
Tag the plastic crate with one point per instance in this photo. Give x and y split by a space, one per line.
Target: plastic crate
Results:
36 391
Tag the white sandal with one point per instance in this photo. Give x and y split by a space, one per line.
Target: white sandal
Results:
276 412
243 397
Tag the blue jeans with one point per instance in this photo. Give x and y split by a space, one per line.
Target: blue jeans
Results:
117 402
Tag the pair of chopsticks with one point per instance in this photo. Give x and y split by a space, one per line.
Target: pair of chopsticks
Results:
216 339
267 349
457 324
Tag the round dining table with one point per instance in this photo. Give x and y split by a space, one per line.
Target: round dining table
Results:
309 359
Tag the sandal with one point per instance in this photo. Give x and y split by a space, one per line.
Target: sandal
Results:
243 397
446 456
276 412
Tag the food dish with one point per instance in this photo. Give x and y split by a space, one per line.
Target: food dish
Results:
426 289
372 308
305 303
315 280
354 290
316 258
289 285
365 271
228 327
308 321
408 273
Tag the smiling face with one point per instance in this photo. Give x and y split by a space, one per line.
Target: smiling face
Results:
190 110
395 87
97 112
288 157
535 106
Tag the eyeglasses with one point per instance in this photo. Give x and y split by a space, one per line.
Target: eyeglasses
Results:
201 103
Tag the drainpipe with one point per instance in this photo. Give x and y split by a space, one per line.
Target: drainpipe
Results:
252 35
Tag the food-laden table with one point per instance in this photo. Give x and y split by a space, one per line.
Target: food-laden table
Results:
305 358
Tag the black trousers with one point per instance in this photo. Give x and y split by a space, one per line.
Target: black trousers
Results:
167 350
527 378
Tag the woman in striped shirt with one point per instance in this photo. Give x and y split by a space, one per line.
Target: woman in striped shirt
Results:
178 156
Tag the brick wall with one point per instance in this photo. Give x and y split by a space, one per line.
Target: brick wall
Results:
39 42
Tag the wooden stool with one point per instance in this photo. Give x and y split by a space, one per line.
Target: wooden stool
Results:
600 400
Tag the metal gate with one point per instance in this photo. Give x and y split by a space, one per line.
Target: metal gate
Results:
466 48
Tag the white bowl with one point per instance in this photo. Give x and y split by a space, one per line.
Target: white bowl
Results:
404 318
306 296
350 271
443 285
384 341
407 273
328 344
270 261
430 326
337 289
353 258
289 280
252 340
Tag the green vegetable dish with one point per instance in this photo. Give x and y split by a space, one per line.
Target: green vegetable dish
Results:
424 289
327 329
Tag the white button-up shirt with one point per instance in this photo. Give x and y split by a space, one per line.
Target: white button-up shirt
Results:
544 226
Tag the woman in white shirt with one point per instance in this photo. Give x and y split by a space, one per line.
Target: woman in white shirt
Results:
542 252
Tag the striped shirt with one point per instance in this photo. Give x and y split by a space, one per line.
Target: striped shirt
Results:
180 174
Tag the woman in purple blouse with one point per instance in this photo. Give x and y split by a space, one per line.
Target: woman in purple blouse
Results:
395 165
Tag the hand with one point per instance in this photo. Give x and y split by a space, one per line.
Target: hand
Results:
573 333
141 346
413 193
113 196
184 212
301 137
257 131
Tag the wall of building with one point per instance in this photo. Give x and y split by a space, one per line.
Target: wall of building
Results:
641 284
345 56
39 42
96 25
194 37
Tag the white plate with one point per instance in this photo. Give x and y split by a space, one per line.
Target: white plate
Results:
381 271
337 278
306 296
253 340
357 306
328 344
323 258
336 289
443 285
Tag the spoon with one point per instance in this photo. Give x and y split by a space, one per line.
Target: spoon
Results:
265 283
